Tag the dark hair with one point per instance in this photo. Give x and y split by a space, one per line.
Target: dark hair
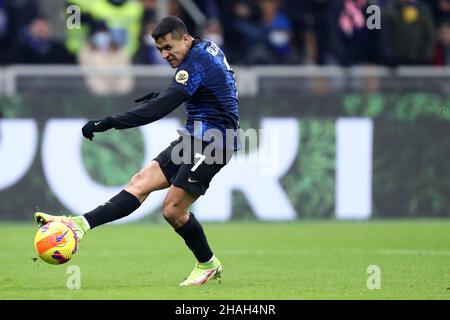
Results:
97 26
172 25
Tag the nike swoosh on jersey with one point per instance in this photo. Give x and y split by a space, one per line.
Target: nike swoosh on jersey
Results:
97 123
190 180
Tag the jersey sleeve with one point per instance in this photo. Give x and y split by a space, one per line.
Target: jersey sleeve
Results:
150 111
189 77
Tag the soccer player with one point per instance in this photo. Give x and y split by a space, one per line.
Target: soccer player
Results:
206 82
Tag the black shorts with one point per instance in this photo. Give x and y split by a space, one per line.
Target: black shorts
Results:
179 162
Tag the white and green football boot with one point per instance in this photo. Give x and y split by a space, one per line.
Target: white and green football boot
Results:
78 224
203 272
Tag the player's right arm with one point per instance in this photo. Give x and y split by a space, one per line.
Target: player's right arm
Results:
150 111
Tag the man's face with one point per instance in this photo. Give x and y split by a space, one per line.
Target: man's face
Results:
40 29
174 50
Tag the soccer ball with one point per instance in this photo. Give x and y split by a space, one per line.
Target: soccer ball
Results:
55 242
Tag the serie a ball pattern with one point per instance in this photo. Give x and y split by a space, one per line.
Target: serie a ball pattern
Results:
56 242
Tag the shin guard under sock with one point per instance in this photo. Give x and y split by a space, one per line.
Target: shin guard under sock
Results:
117 207
195 238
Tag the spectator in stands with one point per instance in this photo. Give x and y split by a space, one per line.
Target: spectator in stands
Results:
442 48
15 16
150 10
148 53
175 8
278 34
242 28
208 9
104 54
261 35
36 45
357 44
411 31
304 36
440 9
330 32
378 49
122 17
315 28
76 38
212 30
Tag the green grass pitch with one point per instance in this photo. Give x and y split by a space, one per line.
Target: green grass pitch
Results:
298 260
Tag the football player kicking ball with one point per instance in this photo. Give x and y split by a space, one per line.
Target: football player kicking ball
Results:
206 82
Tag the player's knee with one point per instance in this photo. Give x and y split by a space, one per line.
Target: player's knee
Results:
172 211
169 210
137 186
136 181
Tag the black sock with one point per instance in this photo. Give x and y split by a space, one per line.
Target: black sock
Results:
194 236
117 207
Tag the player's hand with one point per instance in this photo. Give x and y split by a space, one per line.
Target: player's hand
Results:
96 126
147 97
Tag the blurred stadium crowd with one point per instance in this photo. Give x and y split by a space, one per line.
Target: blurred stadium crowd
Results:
300 32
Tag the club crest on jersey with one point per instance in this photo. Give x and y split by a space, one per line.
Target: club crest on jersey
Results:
182 76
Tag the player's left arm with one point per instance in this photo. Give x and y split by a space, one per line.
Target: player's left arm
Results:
150 111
